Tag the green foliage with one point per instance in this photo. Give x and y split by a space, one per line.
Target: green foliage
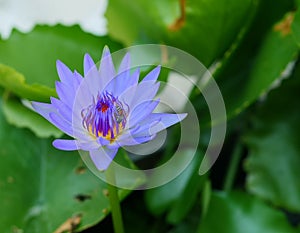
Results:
178 196
205 29
34 55
19 115
296 26
257 62
239 212
42 187
274 157
13 81
250 46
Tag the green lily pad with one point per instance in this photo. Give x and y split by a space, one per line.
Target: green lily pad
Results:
172 196
258 62
42 188
13 81
205 29
19 115
296 25
273 162
34 55
239 212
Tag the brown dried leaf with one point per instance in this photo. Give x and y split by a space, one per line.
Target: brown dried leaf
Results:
284 26
69 225
178 24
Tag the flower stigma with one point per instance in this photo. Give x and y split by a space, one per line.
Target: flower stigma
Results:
106 117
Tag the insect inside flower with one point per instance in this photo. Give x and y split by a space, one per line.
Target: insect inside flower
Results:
105 109
105 117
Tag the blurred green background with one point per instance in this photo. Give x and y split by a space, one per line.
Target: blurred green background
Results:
251 48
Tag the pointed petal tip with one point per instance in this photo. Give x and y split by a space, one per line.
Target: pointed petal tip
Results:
56 83
87 58
61 67
64 144
59 63
64 73
165 120
35 106
106 51
127 56
172 118
53 99
125 63
87 55
43 109
106 69
182 116
88 63
138 70
103 157
153 74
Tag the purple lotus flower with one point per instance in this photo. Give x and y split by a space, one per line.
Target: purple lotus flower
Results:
106 109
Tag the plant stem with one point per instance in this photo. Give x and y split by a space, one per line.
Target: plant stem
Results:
233 167
114 201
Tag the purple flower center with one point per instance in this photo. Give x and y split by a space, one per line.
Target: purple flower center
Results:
105 117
